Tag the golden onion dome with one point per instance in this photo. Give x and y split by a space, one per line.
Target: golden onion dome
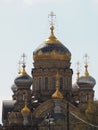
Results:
52 48
57 94
52 39
25 110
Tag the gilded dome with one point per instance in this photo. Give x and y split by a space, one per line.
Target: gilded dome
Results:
25 110
52 48
57 94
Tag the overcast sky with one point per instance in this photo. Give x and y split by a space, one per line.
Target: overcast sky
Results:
24 25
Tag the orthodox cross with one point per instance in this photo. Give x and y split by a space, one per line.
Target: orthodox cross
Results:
86 59
86 73
23 58
22 62
51 16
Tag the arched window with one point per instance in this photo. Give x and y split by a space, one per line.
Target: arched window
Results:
53 83
67 83
46 83
39 84
34 86
61 83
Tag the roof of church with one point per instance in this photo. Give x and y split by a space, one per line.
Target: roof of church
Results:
86 79
23 80
52 48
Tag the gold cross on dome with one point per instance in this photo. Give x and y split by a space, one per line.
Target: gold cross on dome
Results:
86 73
51 16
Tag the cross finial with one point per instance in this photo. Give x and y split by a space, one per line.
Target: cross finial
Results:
86 59
23 58
23 63
86 73
51 16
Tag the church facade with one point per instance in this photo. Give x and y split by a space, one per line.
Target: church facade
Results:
48 99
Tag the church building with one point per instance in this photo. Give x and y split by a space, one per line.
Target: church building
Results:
47 99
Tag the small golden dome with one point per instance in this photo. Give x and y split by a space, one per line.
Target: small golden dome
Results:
57 94
52 39
25 110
